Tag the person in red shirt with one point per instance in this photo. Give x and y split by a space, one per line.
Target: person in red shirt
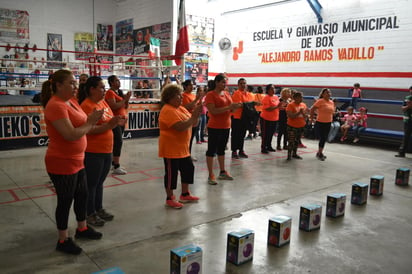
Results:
325 108
269 118
67 126
296 112
219 105
175 125
239 127
98 156
119 103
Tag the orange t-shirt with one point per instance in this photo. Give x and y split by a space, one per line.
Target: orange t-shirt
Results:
221 120
103 142
299 121
258 98
64 157
241 97
172 143
110 94
270 101
326 109
187 98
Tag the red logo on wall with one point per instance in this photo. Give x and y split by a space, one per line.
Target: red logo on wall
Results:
237 50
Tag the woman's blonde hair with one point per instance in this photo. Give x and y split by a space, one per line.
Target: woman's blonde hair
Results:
169 92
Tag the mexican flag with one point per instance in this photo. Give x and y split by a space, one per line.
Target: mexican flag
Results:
154 50
182 42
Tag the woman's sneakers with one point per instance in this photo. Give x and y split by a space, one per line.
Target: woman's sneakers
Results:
88 233
103 214
69 247
320 156
95 220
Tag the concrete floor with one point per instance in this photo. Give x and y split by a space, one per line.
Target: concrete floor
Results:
373 238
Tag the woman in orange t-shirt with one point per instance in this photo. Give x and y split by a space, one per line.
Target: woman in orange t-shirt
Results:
325 109
269 118
219 105
296 120
98 156
175 124
119 103
67 126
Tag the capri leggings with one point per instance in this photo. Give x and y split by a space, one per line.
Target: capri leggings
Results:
217 141
323 130
173 167
68 188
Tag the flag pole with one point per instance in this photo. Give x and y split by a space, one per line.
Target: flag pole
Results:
182 67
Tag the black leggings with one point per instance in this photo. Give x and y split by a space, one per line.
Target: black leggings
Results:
267 128
117 140
69 188
237 135
323 131
97 167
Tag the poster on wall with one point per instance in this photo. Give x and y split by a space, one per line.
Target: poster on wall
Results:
105 59
83 42
200 30
104 36
54 57
14 26
196 67
141 40
164 33
124 37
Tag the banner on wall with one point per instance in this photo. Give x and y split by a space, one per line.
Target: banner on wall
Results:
14 26
84 42
24 126
201 30
371 45
105 59
141 40
104 36
196 67
54 42
164 33
124 37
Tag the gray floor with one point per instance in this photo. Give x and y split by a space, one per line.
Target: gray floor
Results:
374 238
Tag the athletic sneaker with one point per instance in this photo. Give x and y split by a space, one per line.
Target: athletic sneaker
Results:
188 198
235 155
302 146
242 154
103 214
89 233
69 247
225 176
174 204
296 157
94 220
212 180
320 156
119 171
